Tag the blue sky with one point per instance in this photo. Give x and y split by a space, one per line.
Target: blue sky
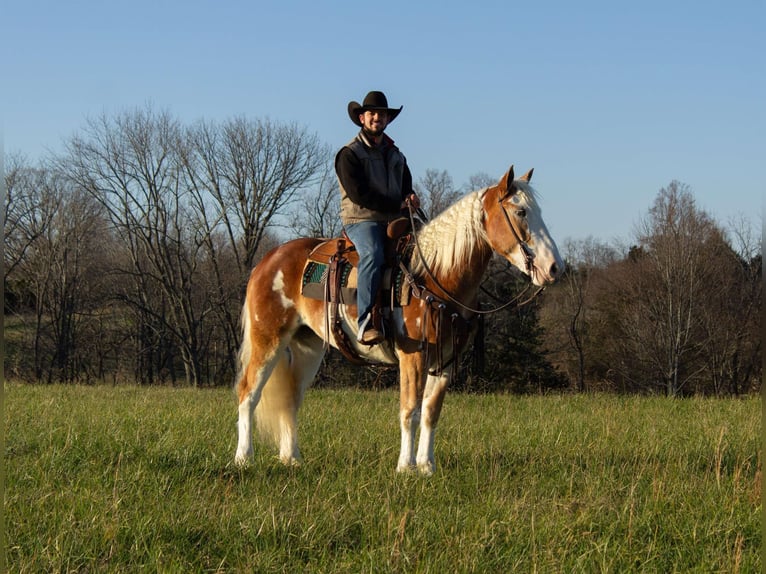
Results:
608 101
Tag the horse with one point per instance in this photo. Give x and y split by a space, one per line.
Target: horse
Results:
285 334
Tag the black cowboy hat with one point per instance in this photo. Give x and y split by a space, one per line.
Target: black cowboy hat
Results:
372 101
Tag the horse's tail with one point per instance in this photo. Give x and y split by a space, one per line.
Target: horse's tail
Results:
275 413
246 346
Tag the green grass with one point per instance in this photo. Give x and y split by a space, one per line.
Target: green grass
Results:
103 479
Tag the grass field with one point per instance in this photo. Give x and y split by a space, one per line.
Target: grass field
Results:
103 479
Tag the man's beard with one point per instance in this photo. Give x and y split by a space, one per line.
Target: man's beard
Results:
372 133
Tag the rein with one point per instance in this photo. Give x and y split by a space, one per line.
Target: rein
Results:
528 258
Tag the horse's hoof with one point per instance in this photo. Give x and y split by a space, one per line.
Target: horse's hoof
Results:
426 469
242 460
290 461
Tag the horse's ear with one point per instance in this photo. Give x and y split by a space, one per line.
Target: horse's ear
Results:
527 176
507 181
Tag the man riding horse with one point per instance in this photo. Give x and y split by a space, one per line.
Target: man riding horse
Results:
286 331
376 187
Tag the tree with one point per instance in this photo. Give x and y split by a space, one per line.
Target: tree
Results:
569 315
436 191
75 293
661 291
242 176
191 207
318 213
479 181
249 172
27 212
509 355
55 232
31 205
731 316
131 165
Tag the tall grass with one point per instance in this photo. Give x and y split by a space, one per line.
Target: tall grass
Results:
127 479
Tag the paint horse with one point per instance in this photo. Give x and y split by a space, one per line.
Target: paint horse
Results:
285 334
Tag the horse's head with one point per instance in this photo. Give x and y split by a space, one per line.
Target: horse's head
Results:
516 230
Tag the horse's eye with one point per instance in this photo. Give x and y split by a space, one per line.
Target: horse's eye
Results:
521 212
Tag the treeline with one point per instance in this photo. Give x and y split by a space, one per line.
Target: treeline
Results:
126 257
678 312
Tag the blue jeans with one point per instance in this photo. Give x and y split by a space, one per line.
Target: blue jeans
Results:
369 238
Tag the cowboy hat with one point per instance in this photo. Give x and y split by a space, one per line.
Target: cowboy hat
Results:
372 101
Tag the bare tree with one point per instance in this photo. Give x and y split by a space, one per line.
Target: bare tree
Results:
75 292
663 288
27 211
32 204
317 213
191 209
131 165
55 232
252 170
569 305
479 181
437 192
730 318
241 176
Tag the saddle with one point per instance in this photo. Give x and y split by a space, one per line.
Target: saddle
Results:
330 270
329 275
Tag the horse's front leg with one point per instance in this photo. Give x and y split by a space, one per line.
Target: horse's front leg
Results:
410 400
408 421
436 388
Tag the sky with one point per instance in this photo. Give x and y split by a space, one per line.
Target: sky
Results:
608 101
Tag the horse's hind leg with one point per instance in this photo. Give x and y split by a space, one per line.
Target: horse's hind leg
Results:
277 410
256 368
259 354
272 316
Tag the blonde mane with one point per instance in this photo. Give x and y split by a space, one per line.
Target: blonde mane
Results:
453 235
458 232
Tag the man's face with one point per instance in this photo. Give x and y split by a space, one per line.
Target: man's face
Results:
374 122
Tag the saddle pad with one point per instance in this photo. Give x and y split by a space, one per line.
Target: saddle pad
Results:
315 278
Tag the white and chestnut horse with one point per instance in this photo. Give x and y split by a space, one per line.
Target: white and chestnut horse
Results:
284 333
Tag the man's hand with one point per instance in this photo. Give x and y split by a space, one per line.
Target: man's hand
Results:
412 201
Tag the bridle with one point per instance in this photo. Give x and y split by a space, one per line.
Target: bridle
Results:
528 254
